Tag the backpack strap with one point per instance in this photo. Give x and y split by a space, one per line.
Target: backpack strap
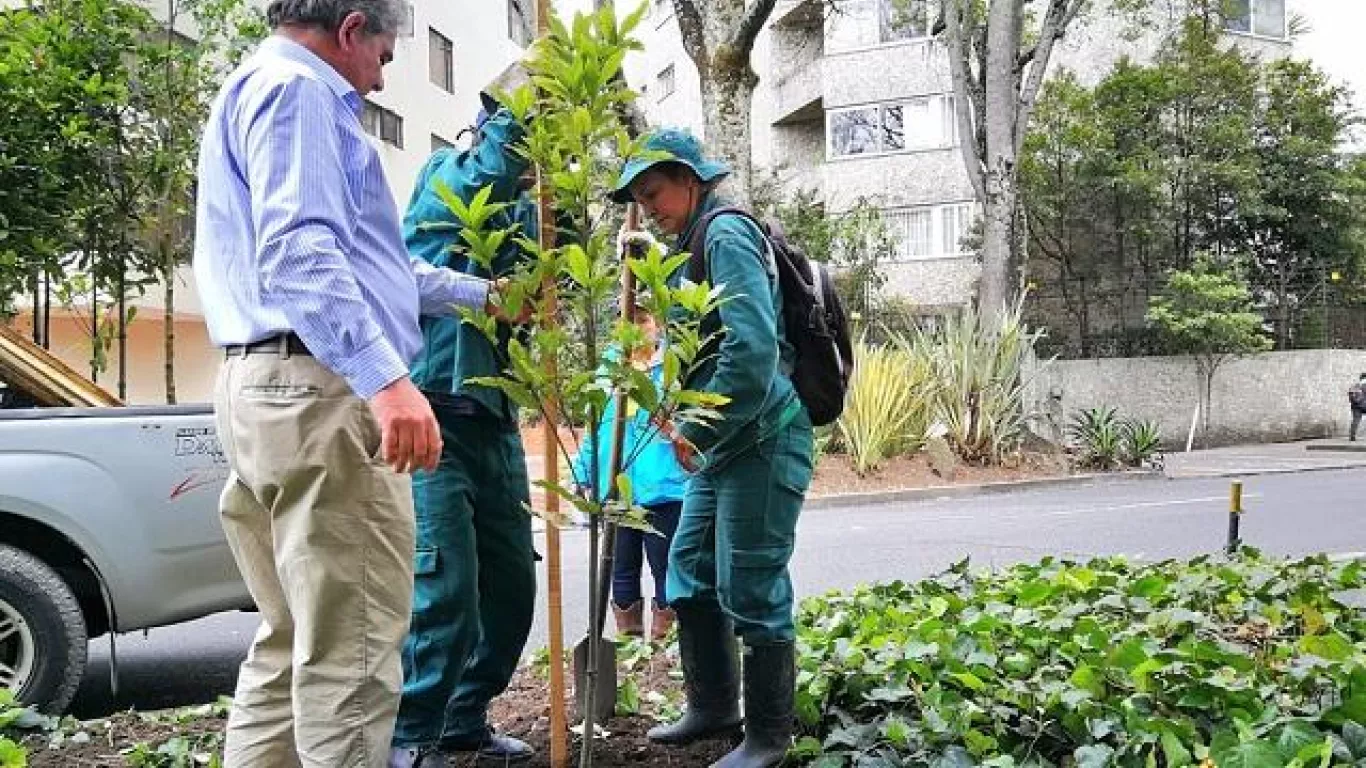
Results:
697 243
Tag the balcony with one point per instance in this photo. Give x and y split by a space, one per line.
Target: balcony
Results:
798 94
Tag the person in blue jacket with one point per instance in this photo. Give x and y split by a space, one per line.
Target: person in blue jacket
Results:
475 580
657 482
728 570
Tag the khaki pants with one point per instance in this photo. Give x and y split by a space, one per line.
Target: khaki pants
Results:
322 532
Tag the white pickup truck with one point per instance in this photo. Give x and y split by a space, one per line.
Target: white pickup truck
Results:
108 523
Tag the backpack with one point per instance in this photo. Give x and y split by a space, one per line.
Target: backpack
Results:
813 318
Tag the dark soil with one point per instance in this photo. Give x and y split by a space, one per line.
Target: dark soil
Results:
523 711
835 474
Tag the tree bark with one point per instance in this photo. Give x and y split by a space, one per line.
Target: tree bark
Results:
719 36
994 104
169 326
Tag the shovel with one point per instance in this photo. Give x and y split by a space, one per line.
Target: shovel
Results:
595 657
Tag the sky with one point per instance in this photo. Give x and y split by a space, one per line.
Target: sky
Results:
1334 43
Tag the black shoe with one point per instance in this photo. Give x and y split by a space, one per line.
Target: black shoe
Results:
770 676
706 646
416 757
492 746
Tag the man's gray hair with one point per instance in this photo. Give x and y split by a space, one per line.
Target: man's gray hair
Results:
381 16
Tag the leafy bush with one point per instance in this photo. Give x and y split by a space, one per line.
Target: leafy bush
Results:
978 372
1105 441
886 412
1247 662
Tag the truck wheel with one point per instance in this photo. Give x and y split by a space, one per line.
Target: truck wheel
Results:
42 633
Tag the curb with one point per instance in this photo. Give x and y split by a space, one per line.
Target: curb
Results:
934 492
1274 471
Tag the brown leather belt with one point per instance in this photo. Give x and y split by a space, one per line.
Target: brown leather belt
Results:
284 345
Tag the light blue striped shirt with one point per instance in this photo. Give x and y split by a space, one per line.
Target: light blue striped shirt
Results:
297 230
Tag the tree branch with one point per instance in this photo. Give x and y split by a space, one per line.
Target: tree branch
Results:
691 29
965 106
755 16
1061 13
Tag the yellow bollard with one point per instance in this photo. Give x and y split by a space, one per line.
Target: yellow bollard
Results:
1235 513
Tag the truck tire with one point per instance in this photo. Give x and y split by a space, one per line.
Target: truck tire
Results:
43 641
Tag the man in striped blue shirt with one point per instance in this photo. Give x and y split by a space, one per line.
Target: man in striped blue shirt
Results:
308 287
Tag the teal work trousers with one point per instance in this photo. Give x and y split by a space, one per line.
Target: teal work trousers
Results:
474 586
737 533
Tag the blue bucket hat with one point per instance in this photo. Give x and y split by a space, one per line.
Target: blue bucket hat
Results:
668 145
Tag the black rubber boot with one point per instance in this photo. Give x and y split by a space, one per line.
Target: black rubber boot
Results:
770 676
711 680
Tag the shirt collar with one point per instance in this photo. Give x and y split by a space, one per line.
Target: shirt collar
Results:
281 46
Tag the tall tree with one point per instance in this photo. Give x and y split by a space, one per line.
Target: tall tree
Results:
1207 312
180 77
719 37
1301 229
998 66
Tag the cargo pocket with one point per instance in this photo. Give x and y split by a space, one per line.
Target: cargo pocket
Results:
758 594
427 583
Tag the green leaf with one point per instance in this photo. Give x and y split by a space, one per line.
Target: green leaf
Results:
1093 756
1354 736
628 697
12 755
1295 735
953 757
1175 753
1333 646
806 748
1250 754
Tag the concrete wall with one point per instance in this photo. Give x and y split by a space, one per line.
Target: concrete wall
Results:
1274 397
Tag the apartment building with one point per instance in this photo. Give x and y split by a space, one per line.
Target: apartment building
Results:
446 54
858 105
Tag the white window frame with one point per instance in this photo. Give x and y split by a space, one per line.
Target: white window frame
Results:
373 119
938 230
881 11
1251 30
440 45
944 122
667 80
520 29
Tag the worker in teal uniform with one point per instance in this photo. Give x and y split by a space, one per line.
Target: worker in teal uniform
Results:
475 579
728 571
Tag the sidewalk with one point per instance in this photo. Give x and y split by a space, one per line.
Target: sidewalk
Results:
1269 458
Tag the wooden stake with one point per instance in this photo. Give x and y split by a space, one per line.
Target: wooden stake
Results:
559 728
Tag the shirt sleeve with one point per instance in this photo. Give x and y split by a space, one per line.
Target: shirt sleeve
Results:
442 290
747 361
296 173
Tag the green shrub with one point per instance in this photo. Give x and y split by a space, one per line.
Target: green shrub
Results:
1105 441
978 374
887 408
1244 662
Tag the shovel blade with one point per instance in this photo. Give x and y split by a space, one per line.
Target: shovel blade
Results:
605 691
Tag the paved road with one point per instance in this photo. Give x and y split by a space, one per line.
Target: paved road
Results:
1287 513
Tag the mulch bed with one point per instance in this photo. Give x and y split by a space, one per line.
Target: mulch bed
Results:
523 711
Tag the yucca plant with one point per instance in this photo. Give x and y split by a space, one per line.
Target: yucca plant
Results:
1141 441
1099 437
886 411
979 372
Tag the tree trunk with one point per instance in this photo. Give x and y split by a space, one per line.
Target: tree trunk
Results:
169 326
726 99
123 322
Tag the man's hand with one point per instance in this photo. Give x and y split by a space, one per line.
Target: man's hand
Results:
634 238
411 438
496 290
684 452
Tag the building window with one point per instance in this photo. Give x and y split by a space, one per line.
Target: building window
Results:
440 143
665 80
930 232
1258 17
441 60
866 23
519 22
924 123
384 123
